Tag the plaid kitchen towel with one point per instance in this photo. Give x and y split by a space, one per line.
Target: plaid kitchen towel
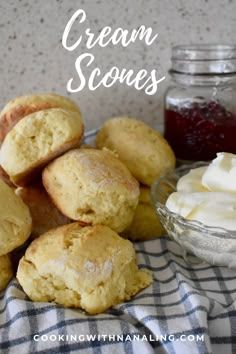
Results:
190 308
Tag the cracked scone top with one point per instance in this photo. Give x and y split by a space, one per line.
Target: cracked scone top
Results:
22 106
15 220
93 187
37 139
84 267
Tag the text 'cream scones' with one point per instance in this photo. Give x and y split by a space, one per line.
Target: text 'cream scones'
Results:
36 139
6 271
44 213
145 224
22 106
143 149
15 220
92 186
84 267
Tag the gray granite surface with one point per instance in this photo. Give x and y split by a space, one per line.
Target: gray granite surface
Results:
32 58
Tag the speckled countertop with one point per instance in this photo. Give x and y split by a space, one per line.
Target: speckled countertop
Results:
32 58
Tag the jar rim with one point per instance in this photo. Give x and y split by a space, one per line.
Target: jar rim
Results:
204 52
199 79
204 58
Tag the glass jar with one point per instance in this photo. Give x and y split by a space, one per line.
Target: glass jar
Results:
200 105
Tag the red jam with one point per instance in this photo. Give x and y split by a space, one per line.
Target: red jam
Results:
200 130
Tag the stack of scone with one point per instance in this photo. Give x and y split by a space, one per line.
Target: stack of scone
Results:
75 201
33 130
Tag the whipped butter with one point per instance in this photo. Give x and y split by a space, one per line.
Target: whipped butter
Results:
220 175
191 182
208 194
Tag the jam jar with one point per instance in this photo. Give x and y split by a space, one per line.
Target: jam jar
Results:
200 104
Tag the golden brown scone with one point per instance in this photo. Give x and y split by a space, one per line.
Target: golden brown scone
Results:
92 186
143 149
22 106
145 224
36 139
6 271
90 268
15 220
45 215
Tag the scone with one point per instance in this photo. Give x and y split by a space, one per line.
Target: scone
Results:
6 271
90 268
5 178
92 186
16 222
145 224
22 106
144 150
36 139
45 215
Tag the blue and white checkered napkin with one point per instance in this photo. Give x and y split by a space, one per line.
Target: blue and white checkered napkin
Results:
188 309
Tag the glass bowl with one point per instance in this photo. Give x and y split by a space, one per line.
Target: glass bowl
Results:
215 245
